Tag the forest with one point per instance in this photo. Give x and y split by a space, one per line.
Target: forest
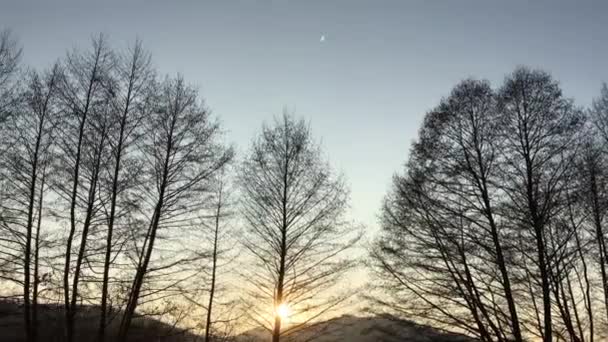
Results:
124 208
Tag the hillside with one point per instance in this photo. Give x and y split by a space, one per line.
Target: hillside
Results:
363 329
51 327
345 328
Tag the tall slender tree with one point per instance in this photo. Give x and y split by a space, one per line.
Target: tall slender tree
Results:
222 214
131 93
294 207
30 132
183 152
82 142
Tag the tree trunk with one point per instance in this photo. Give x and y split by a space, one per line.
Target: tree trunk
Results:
599 235
106 265
276 332
28 239
214 267
147 253
85 235
139 278
73 199
28 247
500 260
37 262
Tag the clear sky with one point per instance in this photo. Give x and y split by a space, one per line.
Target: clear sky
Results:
365 88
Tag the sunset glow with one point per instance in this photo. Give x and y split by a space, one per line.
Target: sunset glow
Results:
283 311
295 171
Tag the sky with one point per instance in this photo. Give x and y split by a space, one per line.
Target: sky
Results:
364 87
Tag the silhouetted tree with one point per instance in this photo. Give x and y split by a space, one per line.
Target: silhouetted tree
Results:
131 96
294 208
83 138
30 134
594 181
129 166
10 55
440 221
490 173
222 206
183 153
539 131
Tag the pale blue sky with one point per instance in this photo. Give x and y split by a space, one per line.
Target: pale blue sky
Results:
365 89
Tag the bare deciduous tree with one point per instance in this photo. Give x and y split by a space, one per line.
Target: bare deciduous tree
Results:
595 183
294 206
222 213
10 55
441 221
30 135
131 94
539 129
491 172
183 153
83 138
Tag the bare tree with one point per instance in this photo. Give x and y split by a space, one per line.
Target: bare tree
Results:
131 93
183 153
10 55
222 213
594 183
39 242
208 293
294 207
451 178
599 113
83 148
30 131
539 131
490 173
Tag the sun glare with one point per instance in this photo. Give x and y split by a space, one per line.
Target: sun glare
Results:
283 311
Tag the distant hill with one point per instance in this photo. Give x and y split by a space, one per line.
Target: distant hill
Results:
363 329
51 326
346 328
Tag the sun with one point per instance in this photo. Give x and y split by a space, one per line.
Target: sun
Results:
283 311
